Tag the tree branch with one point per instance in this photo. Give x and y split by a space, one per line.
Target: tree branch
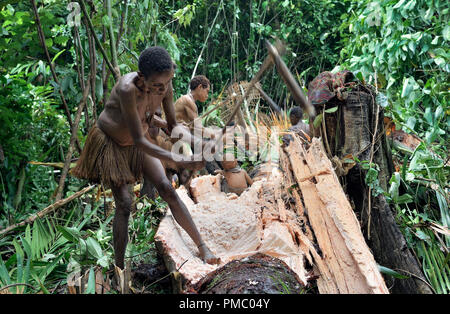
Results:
47 210
52 67
97 41
73 138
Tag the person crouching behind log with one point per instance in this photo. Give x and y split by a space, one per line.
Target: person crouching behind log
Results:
298 126
118 150
236 178
186 113
186 110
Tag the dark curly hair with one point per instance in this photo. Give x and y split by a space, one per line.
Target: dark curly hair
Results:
155 60
199 80
296 114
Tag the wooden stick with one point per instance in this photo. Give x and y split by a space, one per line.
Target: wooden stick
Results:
51 164
267 98
97 41
47 210
73 138
52 67
268 62
206 41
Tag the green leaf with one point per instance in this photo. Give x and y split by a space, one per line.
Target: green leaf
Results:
318 120
103 261
423 236
106 21
439 111
70 233
57 55
404 199
428 115
390 272
446 33
4 275
91 282
395 185
94 248
331 110
371 176
49 42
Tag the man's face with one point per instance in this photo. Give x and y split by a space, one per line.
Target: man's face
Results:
294 119
203 92
158 83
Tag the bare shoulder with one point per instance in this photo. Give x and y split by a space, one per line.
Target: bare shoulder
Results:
182 100
126 85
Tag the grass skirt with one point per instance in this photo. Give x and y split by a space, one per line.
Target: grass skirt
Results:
102 160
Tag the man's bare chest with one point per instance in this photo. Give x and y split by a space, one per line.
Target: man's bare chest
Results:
148 104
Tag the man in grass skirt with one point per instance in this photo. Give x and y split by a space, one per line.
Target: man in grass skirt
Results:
118 150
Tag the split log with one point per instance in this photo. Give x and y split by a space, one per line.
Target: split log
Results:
350 132
346 265
234 227
291 217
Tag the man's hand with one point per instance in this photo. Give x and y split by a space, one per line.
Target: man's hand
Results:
218 171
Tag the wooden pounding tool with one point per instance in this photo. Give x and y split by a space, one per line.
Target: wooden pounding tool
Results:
290 81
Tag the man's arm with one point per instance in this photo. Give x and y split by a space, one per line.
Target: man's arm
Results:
169 108
247 178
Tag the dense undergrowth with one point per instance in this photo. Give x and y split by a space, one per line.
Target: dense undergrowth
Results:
401 47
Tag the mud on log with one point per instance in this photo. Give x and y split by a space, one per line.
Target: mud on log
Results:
349 132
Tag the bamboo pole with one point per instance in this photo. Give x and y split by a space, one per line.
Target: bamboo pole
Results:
206 41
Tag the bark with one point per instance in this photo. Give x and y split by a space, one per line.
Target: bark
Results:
257 274
346 264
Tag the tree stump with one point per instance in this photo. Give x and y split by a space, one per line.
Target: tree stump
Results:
355 130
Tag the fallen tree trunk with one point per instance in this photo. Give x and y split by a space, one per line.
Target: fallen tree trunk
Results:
286 216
